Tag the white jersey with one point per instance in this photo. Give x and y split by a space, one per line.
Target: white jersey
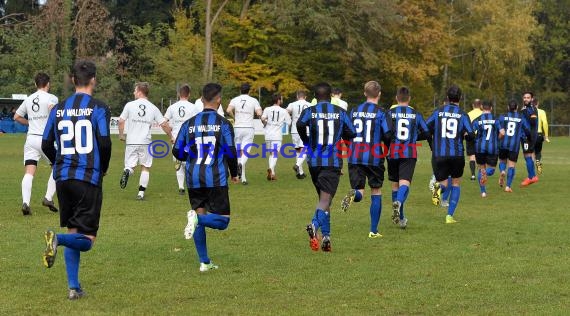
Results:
37 107
295 109
244 110
200 105
275 116
178 113
140 115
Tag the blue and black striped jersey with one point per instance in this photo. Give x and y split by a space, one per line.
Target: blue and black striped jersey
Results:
487 129
530 114
206 143
449 124
80 127
369 121
516 128
407 126
327 124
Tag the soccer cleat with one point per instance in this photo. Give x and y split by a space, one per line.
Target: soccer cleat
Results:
534 180
444 203
49 204
449 220
181 192
483 194
347 200
302 176
538 167
51 248
508 189
436 194
140 197
396 212
239 170
374 235
483 180
472 177
124 178
313 241
529 181
192 223
269 174
26 209
502 179
244 182
205 267
177 165
403 223
431 183
326 244
75 294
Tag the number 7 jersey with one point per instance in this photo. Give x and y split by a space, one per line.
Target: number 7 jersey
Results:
448 124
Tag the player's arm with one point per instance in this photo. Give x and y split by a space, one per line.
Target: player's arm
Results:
179 150
387 127
468 129
20 113
348 131
264 118
167 129
122 118
258 110
290 109
302 124
430 123
103 116
230 110
48 139
228 141
544 120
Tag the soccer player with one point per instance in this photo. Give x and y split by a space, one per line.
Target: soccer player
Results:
336 99
530 114
206 143
489 131
245 107
516 130
295 110
542 136
366 160
200 105
470 144
177 114
327 124
449 125
273 118
139 114
407 126
80 127
36 107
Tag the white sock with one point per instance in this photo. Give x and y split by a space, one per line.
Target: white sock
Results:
27 188
180 177
50 187
299 163
243 162
272 164
143 182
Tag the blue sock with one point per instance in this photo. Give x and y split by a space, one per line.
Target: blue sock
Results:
375 211
530 167
72 258
502 166
454 200
445 192
200 242
324 219
394 196
481 187
510 176
74 241
315 220
402 196
214 221
490 171
357 196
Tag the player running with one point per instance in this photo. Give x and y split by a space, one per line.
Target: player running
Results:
206 143
489 131
295 110
273 118
407 127
542 136
530 114
245 107
470 144
516 130
449 125
37 107
177 114
80 127
366 160
327 124
139 114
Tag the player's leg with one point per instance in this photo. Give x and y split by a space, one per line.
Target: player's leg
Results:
441 169
528 151
314 226
31 158
131 160
446 193
375 176
538 153
457 166
470 148
482 173
180 177
357 179
145 160
394 178
247 139
512 161
491 164
405 175
50 190
298 167
503 154
274 147
327 181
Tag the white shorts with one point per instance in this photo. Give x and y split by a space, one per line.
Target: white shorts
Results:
33 149
137 155
272 148
297 141
244 136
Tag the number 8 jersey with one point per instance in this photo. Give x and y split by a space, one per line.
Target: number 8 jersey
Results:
80 127
37 108
448 124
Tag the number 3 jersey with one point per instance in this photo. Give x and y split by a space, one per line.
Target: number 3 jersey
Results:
37 107
448 124
487 129
206 143
139 115
369 121
80 127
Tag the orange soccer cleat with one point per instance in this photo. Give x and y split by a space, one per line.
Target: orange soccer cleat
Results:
529 181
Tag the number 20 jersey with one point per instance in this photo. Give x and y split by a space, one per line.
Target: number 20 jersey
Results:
448 124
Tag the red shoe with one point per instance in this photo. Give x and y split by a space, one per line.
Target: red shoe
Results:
313 241
534 180
529 181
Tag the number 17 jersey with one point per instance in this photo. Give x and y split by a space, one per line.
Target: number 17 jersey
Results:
448 124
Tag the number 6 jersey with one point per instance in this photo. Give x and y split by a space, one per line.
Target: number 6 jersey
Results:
448 124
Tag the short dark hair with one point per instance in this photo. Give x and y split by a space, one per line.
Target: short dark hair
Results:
143 87
336 90
211 91
528 92
301 94
486 105
403 94
244 89
83 71
454 94
275 98
323 91
513 106
41 79
184 91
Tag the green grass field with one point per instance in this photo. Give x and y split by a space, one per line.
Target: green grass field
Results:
509 253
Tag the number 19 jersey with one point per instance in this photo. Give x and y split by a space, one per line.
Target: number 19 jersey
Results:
448 124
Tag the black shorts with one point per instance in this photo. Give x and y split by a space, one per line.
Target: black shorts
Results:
527 146
443 167
401 169
79 205
325 179
507 154
358 174
470 147
215 200
486 159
